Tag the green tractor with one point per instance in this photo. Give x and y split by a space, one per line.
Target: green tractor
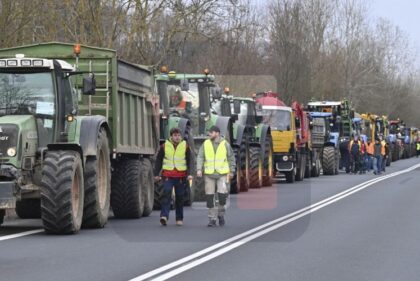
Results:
252 142
69 117
189 97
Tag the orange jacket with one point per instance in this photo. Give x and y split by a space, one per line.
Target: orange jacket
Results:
370 148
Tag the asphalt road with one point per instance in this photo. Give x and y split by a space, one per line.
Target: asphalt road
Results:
345 227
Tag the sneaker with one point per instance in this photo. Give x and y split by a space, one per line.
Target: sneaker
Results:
163 221
179 223
212 223
221 220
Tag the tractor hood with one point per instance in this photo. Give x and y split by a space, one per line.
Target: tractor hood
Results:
12 128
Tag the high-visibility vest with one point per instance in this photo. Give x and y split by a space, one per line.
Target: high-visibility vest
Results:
215 161
383 143
358 143
175 157
370 148
418 146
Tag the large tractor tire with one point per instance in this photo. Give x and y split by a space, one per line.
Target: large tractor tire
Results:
267 179
238 177
255 167
300 171
62 192
97 178
316 169
244 156
28 209
2 214
199 190
126 193
291 175
147 184
158 189
395 152
329 164
308 166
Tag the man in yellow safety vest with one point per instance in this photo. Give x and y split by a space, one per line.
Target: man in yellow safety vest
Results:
218 160
174 161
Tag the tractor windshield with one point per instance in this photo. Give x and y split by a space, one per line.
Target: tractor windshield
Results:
278 119
27 93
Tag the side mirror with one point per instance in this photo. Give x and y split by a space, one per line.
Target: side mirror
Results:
216 93
185 85
237 106
89 85
259 119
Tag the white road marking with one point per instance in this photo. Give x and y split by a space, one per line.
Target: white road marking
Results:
21 234
214 251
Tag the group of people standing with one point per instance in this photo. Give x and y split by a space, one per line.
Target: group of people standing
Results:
367 156
174 167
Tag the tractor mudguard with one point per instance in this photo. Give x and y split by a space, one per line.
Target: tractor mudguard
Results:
89 130
265 131
88 137
240 133
225 125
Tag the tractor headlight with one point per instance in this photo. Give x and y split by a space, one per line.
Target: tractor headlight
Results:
285 158
11 152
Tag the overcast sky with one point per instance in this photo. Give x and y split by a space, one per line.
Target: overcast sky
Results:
404 13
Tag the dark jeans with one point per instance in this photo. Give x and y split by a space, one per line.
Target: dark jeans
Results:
179 184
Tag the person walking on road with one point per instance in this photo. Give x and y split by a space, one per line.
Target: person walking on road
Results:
354 149
370 151
218 160
174 161
377 157
417 148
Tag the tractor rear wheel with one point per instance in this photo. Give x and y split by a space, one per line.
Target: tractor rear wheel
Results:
255 167
329 165
268 163
97 179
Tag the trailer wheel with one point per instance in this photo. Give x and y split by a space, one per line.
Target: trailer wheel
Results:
28 209
147 189
62 192
255 167
268 163
126 196
329 164
97 179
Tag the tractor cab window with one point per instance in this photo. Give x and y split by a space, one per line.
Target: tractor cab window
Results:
27 94
184 103
30 94
278 119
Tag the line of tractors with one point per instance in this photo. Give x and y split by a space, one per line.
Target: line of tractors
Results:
79 129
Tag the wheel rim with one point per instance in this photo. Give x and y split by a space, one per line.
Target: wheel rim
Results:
75 194
102 179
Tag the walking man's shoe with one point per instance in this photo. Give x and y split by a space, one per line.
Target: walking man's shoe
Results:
163 221
179 223
212 223
221 220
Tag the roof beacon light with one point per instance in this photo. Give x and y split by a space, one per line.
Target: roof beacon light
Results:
206 71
